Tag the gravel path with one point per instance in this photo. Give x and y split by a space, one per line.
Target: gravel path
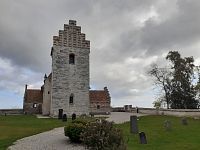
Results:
55 139
121 117
50 140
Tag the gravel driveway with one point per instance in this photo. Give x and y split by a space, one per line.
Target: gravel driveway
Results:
55 139
50 140
120 117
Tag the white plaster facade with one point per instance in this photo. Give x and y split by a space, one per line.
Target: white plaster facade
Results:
47 95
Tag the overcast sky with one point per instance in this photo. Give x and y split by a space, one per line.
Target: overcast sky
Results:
126 38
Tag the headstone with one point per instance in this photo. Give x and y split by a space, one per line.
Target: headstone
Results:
133 124
64 118
137 110
92 115
73 116
184 121
60 113
167 125
126 107
143 139
5 114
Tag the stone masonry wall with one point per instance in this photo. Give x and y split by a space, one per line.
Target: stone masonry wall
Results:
46 97
104 108
71 36
173 112
70 78
29 109
11 111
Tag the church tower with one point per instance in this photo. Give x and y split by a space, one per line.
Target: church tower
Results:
70 71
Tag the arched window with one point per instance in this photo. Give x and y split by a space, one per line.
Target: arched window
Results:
71 59
71 99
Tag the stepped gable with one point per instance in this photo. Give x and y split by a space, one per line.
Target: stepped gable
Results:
71 36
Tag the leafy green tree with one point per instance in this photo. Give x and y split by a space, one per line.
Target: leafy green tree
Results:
197 87
178 81
183 94
157 104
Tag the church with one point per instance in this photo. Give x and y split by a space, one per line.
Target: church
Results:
67 87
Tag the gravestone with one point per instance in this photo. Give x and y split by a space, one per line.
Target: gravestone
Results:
184 121
64 118
143 139
167 125
60 113
137 110
92 115
133 124
73 116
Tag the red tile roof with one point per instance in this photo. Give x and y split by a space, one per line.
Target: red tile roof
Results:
99 96
33 95
36 95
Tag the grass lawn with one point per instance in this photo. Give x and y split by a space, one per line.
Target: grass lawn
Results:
19 126
179 138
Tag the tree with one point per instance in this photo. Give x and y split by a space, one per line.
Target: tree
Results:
162 79
197 87
177 82
183 94
157 104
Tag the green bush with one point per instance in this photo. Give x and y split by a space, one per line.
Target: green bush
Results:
73 131
80 121
102 135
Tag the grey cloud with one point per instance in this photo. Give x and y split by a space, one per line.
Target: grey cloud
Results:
181 29
27 26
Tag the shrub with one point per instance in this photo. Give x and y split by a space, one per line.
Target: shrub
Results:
80 121
73 131
102 135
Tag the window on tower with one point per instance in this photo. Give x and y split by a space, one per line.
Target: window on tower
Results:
34 105
71 59
71 99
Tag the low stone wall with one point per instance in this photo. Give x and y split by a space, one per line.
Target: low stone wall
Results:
102 110
118 109
11 111
172 112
